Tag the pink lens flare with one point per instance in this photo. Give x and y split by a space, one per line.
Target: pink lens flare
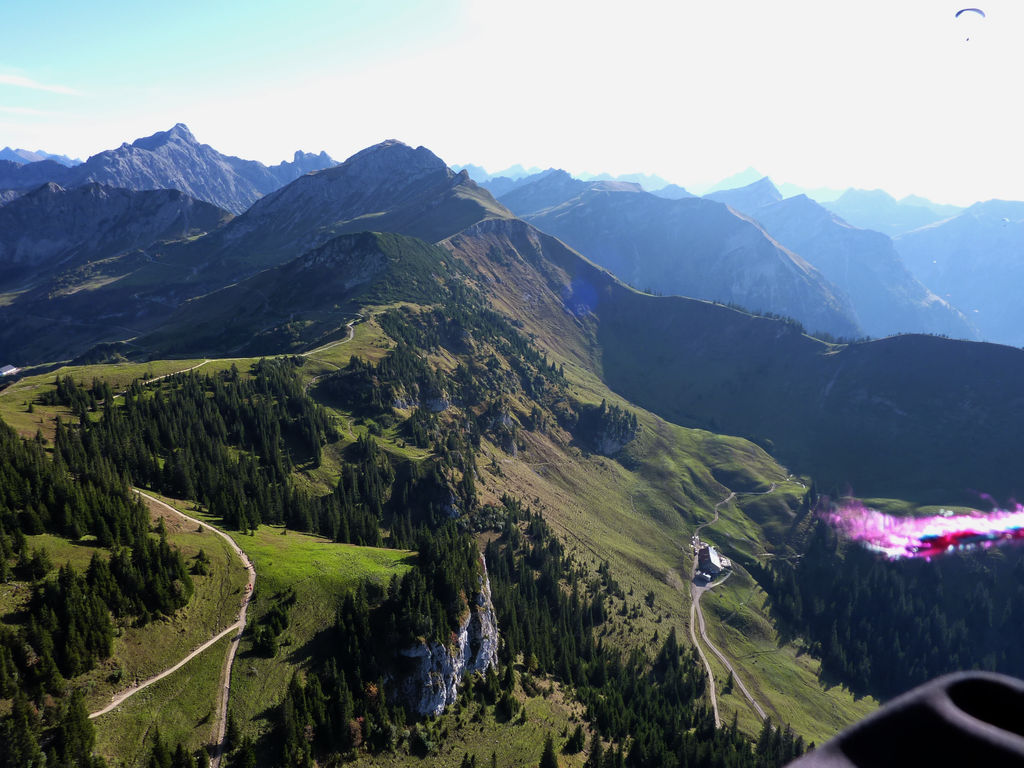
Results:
901 537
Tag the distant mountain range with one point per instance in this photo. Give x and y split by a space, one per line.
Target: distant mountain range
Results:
689 246
863 264
170 159
22 156
646 181
504 181
878 210
480 174
974 261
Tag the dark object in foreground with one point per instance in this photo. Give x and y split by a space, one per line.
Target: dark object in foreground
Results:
968 718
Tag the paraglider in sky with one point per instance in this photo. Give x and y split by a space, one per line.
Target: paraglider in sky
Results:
980 14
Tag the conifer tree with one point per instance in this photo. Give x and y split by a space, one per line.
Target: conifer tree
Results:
548 758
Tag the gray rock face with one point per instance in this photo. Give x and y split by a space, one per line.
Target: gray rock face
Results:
435 670
6 195
610 443
171 160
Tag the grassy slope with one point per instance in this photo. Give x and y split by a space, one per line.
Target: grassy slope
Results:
779 674
14 399
183 706
320 572
144 651
140 652
639 519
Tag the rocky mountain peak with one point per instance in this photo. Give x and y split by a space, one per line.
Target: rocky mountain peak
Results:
749 198
393 158
300 157
179 134
50 188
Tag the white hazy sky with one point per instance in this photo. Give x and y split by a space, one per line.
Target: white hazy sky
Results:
896 94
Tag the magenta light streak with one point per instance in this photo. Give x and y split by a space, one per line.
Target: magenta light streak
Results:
898 537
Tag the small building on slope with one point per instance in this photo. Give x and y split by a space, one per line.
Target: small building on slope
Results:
709 561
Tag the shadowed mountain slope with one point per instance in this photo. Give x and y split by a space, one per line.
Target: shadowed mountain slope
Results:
69 259
52 227
925 417
387 187
306 301
913 416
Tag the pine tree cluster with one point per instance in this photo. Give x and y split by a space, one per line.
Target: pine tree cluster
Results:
883 627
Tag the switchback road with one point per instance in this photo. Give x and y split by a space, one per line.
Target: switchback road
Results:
237 628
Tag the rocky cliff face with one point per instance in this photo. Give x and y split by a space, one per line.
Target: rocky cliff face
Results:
431 680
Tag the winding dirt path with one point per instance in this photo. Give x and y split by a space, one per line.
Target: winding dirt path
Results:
695 593
238 627
175 373
351 335
351 332
721 656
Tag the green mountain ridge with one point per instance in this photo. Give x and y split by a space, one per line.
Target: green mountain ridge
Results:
307 300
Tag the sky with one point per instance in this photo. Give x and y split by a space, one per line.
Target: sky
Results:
871 94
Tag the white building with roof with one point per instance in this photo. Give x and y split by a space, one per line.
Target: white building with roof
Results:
709 561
